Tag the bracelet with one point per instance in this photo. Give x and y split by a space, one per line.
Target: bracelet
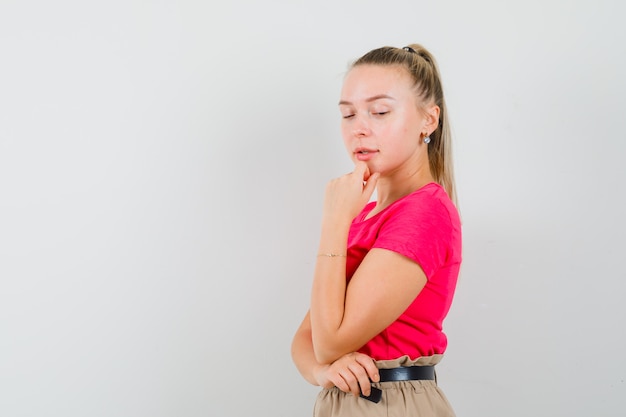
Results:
331 255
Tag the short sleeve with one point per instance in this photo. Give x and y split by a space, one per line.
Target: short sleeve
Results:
420 228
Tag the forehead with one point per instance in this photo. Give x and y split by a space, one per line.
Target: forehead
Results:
366 81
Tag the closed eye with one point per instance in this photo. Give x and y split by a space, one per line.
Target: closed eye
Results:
347 116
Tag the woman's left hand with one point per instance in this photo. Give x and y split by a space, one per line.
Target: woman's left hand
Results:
350 373
347 195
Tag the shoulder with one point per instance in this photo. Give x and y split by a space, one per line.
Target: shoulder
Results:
429 204
425 227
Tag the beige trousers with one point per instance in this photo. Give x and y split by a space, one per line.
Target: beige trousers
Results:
399 399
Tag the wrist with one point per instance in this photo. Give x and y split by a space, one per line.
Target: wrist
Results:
336 222
334 236
331 255
319 374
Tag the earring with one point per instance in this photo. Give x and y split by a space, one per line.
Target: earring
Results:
426 138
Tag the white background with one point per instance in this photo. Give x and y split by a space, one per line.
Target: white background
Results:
162 166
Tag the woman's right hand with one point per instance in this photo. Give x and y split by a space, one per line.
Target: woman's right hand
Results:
347 195
350 373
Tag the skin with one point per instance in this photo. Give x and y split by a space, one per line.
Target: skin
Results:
382 127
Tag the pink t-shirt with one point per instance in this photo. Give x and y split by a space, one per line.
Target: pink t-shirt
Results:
425 227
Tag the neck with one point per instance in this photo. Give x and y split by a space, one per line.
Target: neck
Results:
395 185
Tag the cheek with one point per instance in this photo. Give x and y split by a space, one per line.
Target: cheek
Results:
404 139
345 134
410 132
346 140
344 129
407 133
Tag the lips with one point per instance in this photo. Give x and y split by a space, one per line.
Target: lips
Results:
365 151
365 154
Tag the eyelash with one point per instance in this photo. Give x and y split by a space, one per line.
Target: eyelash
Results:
380 113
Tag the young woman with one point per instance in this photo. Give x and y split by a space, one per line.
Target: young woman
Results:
386 270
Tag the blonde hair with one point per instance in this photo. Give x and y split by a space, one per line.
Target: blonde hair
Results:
423 68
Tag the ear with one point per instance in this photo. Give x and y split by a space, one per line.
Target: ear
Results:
432 118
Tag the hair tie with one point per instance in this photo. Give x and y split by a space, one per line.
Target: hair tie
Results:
409 49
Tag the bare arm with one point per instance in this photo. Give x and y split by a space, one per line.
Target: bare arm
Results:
350 373
344 317
380 291
302 352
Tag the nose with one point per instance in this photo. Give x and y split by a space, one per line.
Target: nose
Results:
361 128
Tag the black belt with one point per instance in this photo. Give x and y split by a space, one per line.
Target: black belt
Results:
404 373
407 373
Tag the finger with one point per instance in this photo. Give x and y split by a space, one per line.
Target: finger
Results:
351 382
361 170
370 186
370 367
340 383
362 377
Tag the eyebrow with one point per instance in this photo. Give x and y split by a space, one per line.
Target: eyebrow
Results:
368 100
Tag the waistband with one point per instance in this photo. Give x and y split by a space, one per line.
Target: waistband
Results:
402 373
407 373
